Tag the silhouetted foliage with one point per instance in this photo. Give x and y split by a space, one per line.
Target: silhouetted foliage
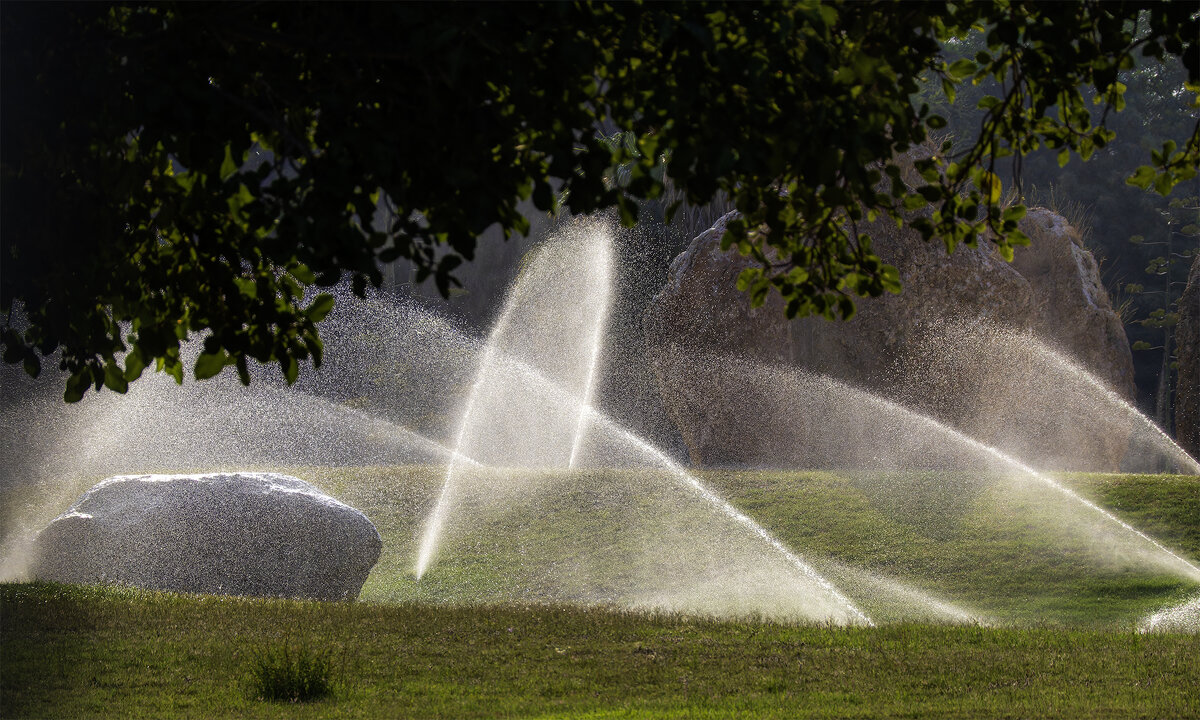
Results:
1177 238
198 167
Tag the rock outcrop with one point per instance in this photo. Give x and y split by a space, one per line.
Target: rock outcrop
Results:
1072 308
1030 390
701 309
700 304
910 347
1187 388
260 534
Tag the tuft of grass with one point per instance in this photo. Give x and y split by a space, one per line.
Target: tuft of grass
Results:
292 674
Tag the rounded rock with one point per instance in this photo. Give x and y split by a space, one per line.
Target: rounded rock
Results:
244 533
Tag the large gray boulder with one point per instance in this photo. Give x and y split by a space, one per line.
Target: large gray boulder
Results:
1017 384
260 534
700 309
700 314
1072 308
1187 388
895 344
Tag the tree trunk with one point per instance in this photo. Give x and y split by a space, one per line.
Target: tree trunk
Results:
1162 396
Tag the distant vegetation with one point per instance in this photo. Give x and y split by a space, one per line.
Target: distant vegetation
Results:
1144 240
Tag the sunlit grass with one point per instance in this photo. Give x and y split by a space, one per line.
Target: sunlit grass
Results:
90 653
1007 557
1013 556
1063 643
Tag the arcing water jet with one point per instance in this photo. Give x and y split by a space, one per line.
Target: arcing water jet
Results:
507 370
858 429
501 423
1031 392
619 442
603 268
664 539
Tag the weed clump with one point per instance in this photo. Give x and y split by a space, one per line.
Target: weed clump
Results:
292 674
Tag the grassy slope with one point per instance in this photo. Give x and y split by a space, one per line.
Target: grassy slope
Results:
1012 554
1016 554
72 652
79 652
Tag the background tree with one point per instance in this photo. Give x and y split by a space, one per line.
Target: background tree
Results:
1180 238
196 168
1099 199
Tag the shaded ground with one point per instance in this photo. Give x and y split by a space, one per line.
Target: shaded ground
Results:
90 653
1064 646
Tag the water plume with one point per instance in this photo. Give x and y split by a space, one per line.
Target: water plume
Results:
1181 618
501 458
603 265
887 598
733 514
817 422
553 320
1012 390
516 389
161 427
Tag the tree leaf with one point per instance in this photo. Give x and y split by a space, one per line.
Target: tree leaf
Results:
962 69
77 385
210 364
319 307
243 370
114 379
991 186
1016 212
228 166
135 363
291 369
302 273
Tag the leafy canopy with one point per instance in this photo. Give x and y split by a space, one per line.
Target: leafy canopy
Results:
174 169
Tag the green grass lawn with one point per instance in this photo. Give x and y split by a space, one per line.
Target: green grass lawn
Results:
101 653
489 632
1006 552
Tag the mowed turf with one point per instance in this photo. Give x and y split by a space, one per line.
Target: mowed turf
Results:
1005 550
106 653
1065 643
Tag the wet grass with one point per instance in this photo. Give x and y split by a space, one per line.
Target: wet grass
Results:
292 673
1017 553
1010 552
1063 598
72 652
